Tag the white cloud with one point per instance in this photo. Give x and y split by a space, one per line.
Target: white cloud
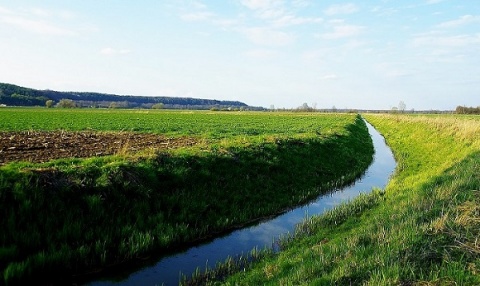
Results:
110 51
300 3
329 77
290 20
27 22
441 48
435 40
262 54
341 9
196 16
344 31
278 14
4 10
44 13
260 4
35 26
199 12
463 20
385 12
268 36
430 2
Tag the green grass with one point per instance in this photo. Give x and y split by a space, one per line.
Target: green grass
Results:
72 216
423 230
168 122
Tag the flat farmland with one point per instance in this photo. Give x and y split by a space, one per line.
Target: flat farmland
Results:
40 135
174 123
168 179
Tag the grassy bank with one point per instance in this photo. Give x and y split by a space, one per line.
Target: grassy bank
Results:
72 216
422 230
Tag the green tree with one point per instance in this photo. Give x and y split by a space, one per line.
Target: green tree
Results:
66 103
157 106
49 103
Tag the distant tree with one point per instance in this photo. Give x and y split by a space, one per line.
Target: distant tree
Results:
66 103
157 106
304 107
49 103
467 110
402 106
118 104
394 109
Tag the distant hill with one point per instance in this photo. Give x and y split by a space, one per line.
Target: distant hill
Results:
13 95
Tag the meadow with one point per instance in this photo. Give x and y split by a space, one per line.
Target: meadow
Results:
74 216
423 229
166 122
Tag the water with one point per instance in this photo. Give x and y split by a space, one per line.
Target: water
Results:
168 269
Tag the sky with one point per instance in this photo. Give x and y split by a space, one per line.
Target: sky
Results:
272 53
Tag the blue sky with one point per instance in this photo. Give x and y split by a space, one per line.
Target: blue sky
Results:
357 54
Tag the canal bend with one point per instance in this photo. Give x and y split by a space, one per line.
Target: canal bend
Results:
167 270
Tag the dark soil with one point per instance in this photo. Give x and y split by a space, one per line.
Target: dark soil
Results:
41 146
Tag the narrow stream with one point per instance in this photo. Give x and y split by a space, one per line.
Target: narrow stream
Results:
167 270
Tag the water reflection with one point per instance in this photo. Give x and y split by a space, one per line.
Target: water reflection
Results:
168 269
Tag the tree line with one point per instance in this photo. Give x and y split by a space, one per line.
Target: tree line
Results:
13 95
467 110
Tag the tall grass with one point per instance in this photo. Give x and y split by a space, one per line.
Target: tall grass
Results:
74 216
423 230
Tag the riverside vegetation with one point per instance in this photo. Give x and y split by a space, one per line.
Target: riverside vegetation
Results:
423 229
73 216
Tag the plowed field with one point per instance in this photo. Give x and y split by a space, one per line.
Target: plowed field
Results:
40 146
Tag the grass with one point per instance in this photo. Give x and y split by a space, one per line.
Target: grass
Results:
215 125
422 230
73 216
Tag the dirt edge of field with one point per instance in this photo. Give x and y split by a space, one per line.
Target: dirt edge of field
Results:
43 146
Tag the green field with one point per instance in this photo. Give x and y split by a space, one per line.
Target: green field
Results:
180 123
423 229
72 216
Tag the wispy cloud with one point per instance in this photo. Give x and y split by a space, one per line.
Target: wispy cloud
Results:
337 9
431 2
4 11
35 26
291 20
111 51
278 14
261 4
384 11
262 54
199 12
441 48
463 20
35 21
62 14
331 76
196 16
438 40
268 37
343 31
